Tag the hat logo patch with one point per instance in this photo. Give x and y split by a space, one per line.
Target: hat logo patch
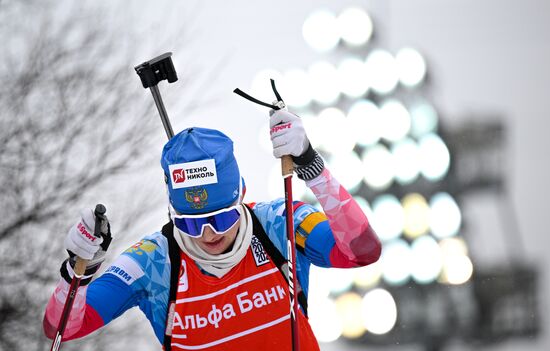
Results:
197 198
196 173
178 176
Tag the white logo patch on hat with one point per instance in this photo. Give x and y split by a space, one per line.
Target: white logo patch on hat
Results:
184 175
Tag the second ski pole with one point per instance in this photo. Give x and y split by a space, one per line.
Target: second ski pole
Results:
151 73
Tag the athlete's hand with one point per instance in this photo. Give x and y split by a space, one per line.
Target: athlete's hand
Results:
80 239
288 135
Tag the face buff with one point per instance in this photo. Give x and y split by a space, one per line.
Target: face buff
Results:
219 265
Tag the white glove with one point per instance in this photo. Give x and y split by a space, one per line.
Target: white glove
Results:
81 240
288 135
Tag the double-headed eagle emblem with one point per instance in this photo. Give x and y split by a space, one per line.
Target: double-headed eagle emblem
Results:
197 198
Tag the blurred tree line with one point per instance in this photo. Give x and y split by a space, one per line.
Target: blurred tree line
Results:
73 119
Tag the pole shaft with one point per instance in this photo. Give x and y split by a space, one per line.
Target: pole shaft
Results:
162 111
291 251
79 269
75 282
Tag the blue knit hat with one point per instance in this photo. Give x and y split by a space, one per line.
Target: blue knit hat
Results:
201 172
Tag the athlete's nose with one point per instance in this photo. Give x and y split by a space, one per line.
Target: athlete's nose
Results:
209 234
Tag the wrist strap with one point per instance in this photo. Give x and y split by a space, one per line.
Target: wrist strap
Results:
312 169
306 158
68 274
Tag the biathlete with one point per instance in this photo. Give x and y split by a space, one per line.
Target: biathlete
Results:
212 278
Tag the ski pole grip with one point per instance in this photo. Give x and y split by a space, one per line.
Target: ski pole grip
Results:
157 69
99 213
80 263
287 166
80 267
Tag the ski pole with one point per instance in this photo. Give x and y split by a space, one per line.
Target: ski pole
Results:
79 269
287 168
151 73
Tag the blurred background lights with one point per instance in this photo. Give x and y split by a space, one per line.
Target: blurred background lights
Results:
379 311
378 167
324 320
396 262
365 121
396 121
335 132
354 26
445 216
347 169
411 66
348 307
378 148
323 76
314 131
453 246
330 281
320 30
368 276
320 287
382 71
423 119
417 215
427 259
434 157
457 266
353 80
388 218
341 279
406 157
457 269
297 88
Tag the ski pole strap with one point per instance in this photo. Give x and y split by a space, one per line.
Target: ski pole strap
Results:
277 95
175 264
253 99
276 256
278 105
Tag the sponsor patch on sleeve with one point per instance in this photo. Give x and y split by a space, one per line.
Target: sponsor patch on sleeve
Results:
184 175
126 269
